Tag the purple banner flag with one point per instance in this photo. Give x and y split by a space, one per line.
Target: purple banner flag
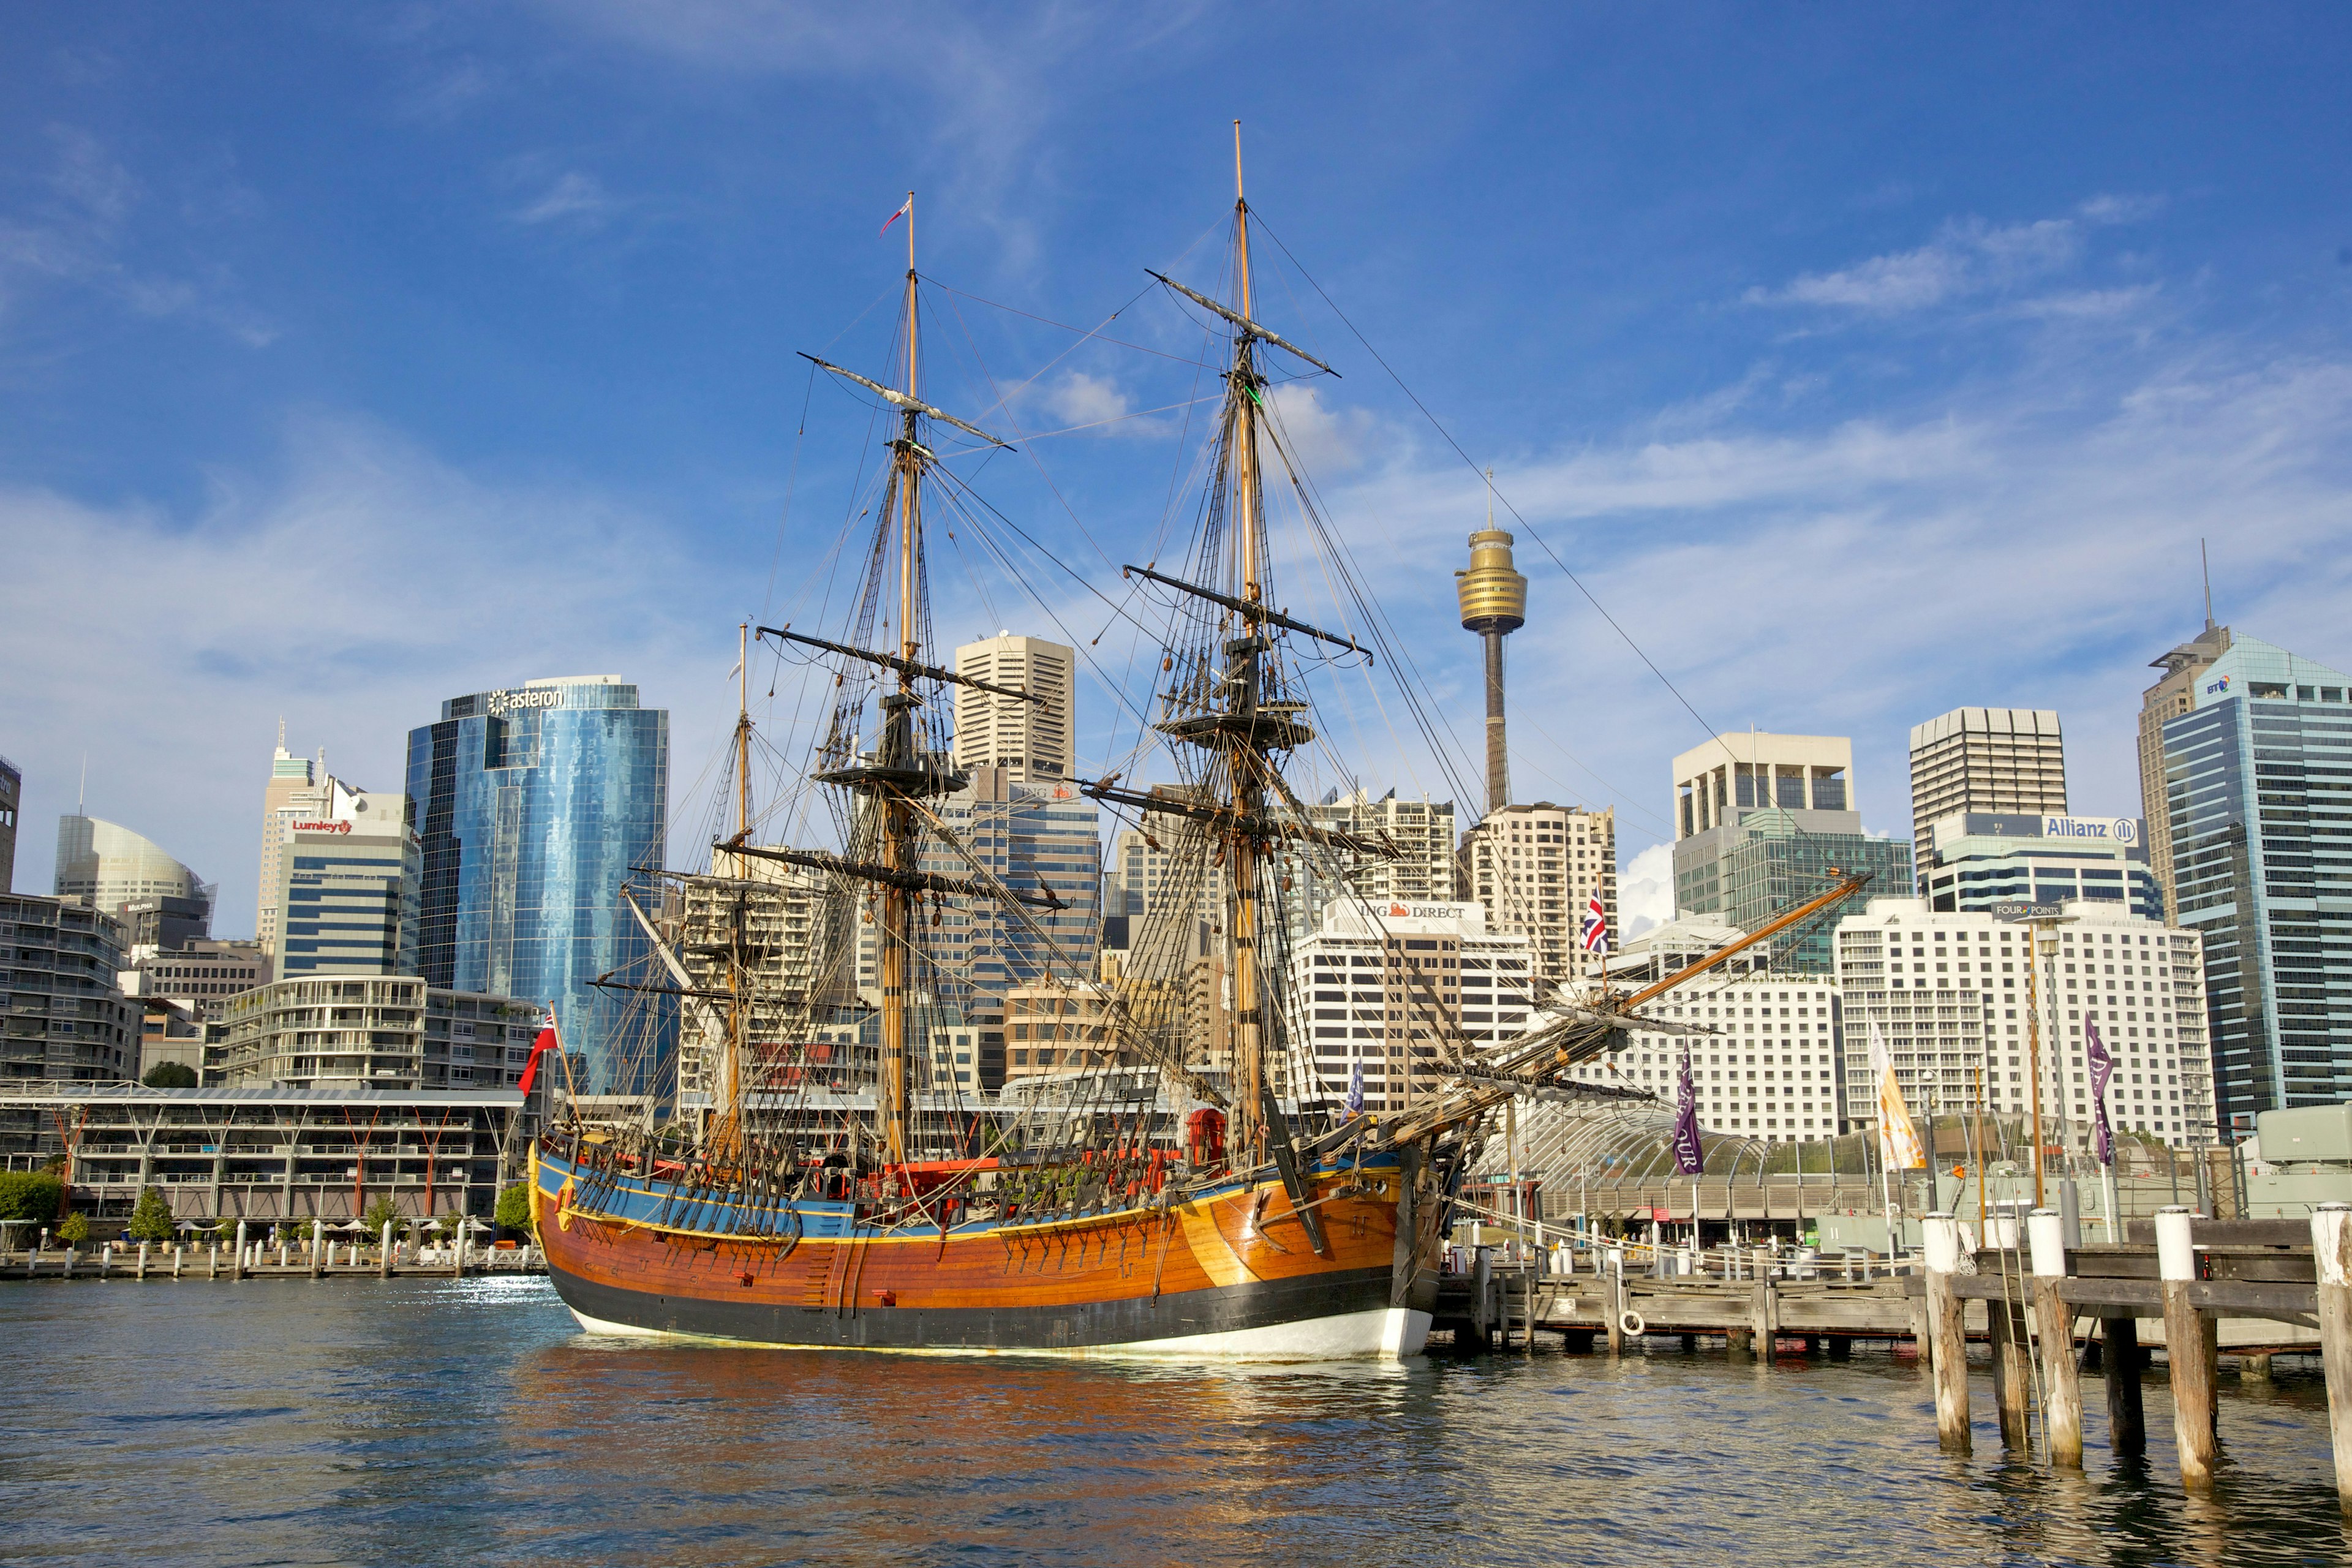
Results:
2103 1066
1689 1159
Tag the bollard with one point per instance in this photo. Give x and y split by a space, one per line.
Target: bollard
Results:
318 1244
2188 1346
177 1252
239 1272
212 1260
69 1261
384 1266
2063 1417
143 1262
1946 1333
2331 1246
105 1259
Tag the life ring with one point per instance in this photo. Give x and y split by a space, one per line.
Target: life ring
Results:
1629 1321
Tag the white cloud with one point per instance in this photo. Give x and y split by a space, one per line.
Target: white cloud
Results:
1968 257
1646 892
84 237
574 195
1325 440
2035 544
349 592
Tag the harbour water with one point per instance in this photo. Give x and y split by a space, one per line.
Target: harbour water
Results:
440 1421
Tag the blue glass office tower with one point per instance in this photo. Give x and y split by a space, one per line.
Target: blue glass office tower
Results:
2257 750
534 805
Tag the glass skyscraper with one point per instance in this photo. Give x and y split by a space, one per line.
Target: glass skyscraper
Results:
2258 792
534 805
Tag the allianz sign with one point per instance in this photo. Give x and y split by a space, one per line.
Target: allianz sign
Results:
2107 829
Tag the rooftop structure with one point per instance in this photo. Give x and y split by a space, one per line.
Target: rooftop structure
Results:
2004 761
1029 738
106 865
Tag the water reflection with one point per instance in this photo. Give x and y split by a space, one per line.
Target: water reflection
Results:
445 1422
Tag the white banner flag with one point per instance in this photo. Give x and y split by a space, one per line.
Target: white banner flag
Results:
1898 1140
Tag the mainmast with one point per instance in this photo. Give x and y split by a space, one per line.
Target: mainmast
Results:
899 848
1245 757
1237 725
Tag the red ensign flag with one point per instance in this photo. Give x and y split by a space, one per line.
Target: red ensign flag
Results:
545 1043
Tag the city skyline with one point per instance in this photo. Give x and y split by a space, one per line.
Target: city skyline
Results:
1852 390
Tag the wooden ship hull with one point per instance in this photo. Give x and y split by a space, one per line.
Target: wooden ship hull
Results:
1223 1273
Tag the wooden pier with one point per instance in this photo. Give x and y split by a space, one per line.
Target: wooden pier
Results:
2191 1287
140 1264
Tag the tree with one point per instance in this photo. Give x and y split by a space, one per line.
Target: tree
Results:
381 1213
74 1229
151 1220
30 1196
514 1209
170 1074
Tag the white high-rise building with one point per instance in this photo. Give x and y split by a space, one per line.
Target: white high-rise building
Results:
1031 741
294 793
1404 992
346 887
1993 760
1949 991
1534 870
1767 1047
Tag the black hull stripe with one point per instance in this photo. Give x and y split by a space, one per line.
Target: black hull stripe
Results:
1228 1309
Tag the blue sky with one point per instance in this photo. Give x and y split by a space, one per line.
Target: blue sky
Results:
1864 360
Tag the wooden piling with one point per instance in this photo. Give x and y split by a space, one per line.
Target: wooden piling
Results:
1946 1335
2255 1369
2331 1243
1739 1344
237 1272
384 1272
2190 1348
2120 1362
2013 1373
2055 1322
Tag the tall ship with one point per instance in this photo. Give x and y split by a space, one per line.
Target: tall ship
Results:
1183 1191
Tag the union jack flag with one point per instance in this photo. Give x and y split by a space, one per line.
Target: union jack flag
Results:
1596 927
